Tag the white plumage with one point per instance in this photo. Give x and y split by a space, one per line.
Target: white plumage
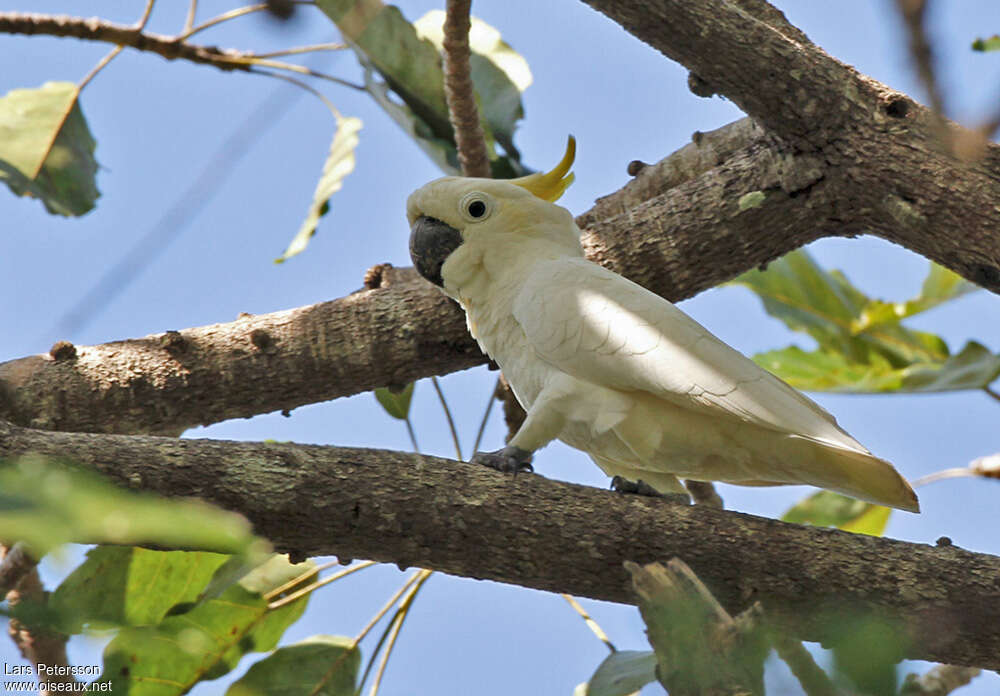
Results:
613 369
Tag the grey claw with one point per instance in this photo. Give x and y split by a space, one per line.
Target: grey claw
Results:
620 484
510 460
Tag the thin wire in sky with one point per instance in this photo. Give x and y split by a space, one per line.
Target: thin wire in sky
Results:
177 218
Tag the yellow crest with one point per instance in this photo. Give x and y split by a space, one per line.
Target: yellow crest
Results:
551 185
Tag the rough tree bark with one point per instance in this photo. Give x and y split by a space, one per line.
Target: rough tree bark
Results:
436 513
835 153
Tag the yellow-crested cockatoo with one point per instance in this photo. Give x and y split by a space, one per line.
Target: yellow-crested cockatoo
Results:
611 368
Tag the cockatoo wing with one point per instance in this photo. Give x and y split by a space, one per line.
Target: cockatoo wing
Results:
600 327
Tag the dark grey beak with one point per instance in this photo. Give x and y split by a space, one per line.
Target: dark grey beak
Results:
431 242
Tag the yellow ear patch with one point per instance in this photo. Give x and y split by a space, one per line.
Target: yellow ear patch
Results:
551 185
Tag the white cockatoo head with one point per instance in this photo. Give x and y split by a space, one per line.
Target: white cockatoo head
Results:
479 215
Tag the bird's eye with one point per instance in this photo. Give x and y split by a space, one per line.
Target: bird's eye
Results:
476 206
477 209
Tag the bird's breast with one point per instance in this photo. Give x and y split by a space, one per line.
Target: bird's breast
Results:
502 339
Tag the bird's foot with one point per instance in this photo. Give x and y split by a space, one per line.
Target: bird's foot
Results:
620 484
510 460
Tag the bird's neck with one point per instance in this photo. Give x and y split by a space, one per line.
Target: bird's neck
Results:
486 279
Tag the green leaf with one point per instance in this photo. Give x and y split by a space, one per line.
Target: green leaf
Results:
46 149
829 509
123 586
622 673
990 44
826 305
940 285
751 200
339 163
974 367
235 568
862 346
411 66
317 666
207 641
867 651
46 504
396 405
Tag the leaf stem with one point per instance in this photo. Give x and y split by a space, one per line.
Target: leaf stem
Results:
447 414
316 585
192 11
302 49
226 16
299 83
385 609
958 472
290 67
591 624
297 579
991 392
486 417
101 64
140 25
395 627
814 681
413 436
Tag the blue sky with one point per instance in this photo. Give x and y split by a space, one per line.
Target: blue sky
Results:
159 124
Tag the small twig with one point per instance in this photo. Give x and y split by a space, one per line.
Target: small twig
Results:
385 609
460 93
252 60
364 631
958 472
140 25
192 11
413 435
233 14
315 570
982 467
94 29
299 83
39 646
132 36
99 67
941 680
913 13
447 414
591 624
318 584
395 627
814 681
486 417
987 389
302 49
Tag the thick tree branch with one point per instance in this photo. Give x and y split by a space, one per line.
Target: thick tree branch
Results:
676 229
878 154
398 329
401 330
423 511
